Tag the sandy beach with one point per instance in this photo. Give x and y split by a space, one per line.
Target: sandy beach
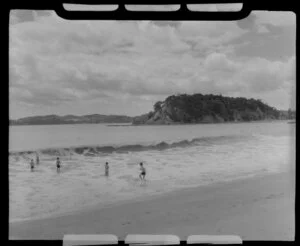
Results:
259 208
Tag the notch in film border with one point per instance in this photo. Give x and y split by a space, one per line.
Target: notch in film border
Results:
147 239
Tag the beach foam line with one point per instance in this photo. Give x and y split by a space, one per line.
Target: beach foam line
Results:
214 239
140 239
94 150
102 239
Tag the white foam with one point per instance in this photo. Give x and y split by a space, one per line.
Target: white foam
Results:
82 183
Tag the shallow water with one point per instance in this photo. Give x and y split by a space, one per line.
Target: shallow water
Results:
175 157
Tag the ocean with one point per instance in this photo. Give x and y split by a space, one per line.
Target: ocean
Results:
175 157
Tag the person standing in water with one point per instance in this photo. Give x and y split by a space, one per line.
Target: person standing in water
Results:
143 172
32 165
58 164
37 159
106 168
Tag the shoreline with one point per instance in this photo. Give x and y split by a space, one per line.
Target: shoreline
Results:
125 124
227 207
214 123
140 198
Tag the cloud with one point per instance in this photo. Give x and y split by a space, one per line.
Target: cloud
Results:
17 16
59 63
262 75
175 24
261 21
275 18
262 29
251 23
219 61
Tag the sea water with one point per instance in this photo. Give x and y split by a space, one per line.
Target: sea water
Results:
175 157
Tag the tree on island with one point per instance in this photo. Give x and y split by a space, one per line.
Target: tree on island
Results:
157 106
209 108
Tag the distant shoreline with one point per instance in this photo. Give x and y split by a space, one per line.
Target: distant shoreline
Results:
170 124
211 123
100 123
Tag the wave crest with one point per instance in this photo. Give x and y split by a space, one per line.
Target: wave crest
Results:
96 150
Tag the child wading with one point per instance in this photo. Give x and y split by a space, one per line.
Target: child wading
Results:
31 165
106 169
58 164
143 172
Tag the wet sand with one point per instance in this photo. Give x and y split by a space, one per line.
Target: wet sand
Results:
259 208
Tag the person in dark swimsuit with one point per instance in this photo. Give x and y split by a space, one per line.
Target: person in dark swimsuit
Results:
58 164
32 165
143 171
106 169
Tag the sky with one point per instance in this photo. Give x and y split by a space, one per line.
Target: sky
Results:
59 66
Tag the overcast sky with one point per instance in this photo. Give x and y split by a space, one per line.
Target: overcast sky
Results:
63 67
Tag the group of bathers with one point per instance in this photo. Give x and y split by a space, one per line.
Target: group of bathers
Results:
58 165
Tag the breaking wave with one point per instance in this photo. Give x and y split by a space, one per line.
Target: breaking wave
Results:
96 150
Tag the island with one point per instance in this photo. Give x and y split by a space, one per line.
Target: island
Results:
198 108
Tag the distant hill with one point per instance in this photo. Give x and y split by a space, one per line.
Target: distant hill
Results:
71 119
200 108
196 108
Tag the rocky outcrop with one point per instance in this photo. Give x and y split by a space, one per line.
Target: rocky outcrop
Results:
200 108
